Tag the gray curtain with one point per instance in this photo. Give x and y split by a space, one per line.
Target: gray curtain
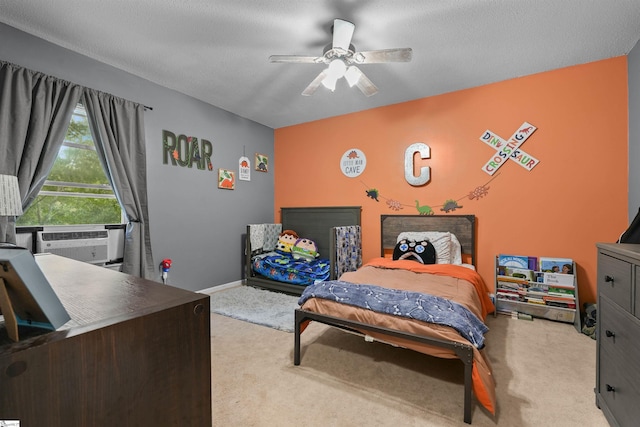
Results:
35 110
117 126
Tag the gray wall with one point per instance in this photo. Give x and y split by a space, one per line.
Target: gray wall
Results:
197 225
633 60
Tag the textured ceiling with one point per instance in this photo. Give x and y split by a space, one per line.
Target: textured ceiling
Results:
218 50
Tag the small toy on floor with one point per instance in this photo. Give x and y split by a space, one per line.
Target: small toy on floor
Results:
521 316
590 319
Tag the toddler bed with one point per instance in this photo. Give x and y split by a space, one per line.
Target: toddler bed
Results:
334 232
424 295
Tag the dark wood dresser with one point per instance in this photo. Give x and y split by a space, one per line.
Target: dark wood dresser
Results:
618 351
135 353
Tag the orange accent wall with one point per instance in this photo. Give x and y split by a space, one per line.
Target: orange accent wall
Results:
576 196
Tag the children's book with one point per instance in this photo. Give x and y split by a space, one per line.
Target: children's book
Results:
558 279
556 265
513 261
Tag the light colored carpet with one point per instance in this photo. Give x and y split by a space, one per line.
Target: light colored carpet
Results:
262 307
545 374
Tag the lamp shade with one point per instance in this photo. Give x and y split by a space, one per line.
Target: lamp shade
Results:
10 201
335 71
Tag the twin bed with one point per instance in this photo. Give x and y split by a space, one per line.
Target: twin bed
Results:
436 309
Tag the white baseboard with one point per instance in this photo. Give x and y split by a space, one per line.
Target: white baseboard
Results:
221 287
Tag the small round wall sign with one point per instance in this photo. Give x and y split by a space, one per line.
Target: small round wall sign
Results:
353 162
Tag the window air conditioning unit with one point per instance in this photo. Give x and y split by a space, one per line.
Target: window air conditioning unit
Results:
86 246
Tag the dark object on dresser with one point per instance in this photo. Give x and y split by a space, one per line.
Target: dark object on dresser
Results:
632 233
618 333
313 223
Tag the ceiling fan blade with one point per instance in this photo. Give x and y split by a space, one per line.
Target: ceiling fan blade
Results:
342 33
295 59
365 85
384 55
314 84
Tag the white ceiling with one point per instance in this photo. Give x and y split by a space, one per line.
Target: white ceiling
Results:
218 50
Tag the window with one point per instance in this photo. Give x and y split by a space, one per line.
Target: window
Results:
77 190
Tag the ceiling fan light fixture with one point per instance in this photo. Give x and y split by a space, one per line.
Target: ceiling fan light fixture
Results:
336 70
341 58
330 82
352 75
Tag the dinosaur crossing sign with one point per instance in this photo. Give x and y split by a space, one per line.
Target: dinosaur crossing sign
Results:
509 149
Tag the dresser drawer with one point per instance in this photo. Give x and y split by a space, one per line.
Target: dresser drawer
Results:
614 280
619 337
619 390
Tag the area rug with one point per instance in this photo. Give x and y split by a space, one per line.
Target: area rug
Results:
262 307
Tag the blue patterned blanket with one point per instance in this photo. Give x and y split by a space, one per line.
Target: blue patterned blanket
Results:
414 305
283 268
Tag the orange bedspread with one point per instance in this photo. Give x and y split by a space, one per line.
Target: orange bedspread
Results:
452 270
457 283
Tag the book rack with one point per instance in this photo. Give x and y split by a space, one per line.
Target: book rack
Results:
529 290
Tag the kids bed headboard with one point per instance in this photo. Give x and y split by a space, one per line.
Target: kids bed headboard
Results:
316 222
463 226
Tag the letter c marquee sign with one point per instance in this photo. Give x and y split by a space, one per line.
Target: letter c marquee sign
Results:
409 167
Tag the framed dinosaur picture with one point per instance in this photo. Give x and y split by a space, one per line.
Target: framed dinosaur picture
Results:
226 179
262 163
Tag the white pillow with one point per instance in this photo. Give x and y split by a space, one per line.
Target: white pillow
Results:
456 250
441 241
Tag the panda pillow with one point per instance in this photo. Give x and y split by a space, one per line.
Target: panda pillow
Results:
422 251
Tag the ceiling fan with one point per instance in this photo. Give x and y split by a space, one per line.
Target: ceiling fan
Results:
341 59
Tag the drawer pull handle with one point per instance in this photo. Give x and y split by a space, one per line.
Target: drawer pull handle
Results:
611 388
608 278
609 334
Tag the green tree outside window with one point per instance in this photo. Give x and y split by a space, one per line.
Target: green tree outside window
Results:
77 190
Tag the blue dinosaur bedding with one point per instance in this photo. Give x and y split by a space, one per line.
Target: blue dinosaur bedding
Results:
413 305
284 268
